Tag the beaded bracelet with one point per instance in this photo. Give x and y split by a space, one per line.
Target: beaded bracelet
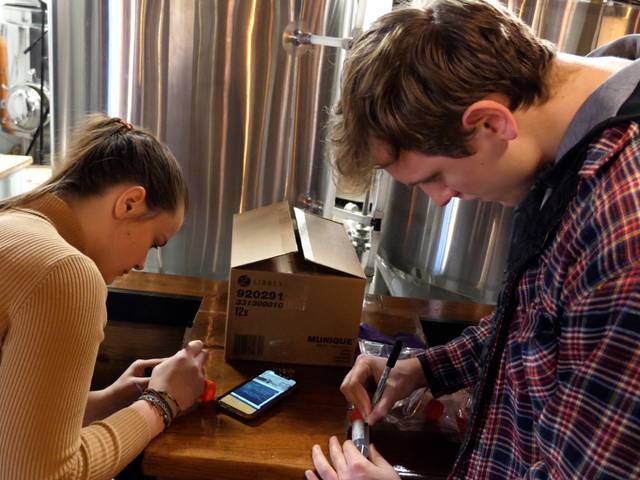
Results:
159 404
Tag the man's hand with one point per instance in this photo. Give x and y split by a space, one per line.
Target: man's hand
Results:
404 378
349 463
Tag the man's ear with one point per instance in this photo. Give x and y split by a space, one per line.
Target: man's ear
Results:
131 203
492 117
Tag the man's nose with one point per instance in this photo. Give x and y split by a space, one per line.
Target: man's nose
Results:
439 194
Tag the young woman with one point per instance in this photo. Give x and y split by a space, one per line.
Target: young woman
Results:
119 194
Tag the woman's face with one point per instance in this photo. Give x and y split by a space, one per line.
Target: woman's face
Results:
120 229
131 239
138 236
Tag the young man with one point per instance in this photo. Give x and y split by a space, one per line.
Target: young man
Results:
462 100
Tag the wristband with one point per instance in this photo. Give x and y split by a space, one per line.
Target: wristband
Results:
164 393
159 404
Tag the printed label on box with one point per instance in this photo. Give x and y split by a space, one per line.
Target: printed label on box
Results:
260 290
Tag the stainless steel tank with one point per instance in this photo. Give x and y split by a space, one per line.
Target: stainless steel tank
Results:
212 79
454 252
459 251
24 92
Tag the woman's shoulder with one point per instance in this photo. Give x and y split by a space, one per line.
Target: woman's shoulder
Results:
27 233
31 249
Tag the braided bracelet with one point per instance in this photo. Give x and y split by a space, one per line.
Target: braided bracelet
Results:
159 404
166 394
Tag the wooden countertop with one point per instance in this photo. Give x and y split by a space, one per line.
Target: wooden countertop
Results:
208 444
12 163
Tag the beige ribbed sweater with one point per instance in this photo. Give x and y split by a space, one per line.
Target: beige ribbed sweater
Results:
52 315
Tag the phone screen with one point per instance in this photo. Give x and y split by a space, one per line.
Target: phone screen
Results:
250 397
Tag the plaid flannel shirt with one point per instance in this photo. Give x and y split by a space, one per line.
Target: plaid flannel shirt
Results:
566 401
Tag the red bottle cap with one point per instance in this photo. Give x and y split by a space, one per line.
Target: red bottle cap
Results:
434 410
355 415
209 391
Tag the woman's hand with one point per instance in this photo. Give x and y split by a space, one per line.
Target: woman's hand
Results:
349 463
182 375
404 378
126 389
121 393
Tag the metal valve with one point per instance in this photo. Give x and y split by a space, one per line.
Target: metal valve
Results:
297 39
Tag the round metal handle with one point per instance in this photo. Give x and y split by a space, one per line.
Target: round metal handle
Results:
23 104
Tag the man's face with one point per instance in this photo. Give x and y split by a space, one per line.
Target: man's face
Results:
494 173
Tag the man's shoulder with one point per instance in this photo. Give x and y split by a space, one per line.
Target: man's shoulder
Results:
627 46
615 148
599 235
605 219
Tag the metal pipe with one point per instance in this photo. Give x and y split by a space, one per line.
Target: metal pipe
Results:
43 10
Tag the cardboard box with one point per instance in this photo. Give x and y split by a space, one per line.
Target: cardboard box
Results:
295 296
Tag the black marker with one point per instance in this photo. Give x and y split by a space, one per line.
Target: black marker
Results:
360 428
395 353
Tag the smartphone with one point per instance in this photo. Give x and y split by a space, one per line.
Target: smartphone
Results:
250 399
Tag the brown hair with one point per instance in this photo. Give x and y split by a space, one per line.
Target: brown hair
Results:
109 151
411 76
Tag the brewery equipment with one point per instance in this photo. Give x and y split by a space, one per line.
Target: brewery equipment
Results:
242 109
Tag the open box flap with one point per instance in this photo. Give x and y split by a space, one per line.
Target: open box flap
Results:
326 243
262 233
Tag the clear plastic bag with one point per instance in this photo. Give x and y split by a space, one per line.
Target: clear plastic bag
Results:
448 414
420 411
378 349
